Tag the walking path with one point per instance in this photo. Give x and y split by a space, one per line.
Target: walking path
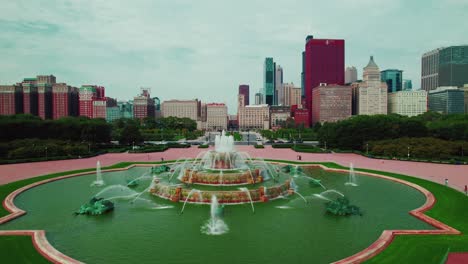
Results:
457 175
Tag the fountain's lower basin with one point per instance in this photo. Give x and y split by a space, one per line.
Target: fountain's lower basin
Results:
177 193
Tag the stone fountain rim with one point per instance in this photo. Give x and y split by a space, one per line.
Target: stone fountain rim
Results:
43 246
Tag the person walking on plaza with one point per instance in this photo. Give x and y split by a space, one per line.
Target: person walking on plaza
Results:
446 182
466 189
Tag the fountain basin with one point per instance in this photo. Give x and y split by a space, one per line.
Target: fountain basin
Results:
177 193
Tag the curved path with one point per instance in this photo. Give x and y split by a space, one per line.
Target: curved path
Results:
456 174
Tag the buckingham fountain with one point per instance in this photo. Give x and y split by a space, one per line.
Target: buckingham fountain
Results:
231 176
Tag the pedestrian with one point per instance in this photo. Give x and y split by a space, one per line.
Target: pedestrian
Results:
446 182
162 159
466 189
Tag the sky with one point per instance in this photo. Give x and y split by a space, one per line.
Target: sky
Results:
185 49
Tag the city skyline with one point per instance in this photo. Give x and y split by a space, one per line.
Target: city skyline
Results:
205 50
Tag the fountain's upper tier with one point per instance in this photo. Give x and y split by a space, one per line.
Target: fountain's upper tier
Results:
224 143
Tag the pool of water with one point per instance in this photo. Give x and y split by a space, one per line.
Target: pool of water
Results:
152 230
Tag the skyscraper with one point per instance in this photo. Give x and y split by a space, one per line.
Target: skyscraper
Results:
371 92
331 103
444 67
324 63
350 74
143 105
258 98
245 90
278 84
269 81
407 85
64 100
393 78
11 99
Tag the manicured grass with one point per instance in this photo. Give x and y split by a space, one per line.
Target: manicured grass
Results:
450 208
19 249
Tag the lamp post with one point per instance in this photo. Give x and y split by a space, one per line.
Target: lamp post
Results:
133 145
46 154
325 145
408 152
367 149
89 148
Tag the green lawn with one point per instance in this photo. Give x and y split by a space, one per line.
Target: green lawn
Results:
450 208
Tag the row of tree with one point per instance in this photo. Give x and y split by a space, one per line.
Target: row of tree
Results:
356 132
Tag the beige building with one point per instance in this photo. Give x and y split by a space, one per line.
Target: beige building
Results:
371 92
279 115
254 117
290 95
216 116
408 103
181 109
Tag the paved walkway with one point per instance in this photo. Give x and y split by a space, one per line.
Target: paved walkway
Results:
456 174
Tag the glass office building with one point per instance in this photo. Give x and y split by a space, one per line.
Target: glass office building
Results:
393 78
447 100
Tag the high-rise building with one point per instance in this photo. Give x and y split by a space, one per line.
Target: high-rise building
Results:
407 85
269 81
44 100
303 93
11 99
290 95
447 100
407 103
143 105
245 90
30 96
182 108
254 117
393 78
465 93
216 116
331 103
430 70
350 74
371 92
258 98
324 63
278 83
92 102
444 67
65 101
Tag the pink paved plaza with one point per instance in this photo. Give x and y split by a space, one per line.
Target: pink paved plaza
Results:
456 174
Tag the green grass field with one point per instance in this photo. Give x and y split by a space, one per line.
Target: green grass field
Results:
451 208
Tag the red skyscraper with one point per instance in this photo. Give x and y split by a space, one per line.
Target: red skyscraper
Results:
244 89
324 63
143 105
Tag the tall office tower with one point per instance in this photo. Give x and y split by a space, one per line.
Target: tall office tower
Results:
143 105
444 67
269 81
407 85
64 100
290 95
371 92
331 103
30 96
393 78
258 98
92 102
245 90
278 83
309 37
11 99
350 74
324 63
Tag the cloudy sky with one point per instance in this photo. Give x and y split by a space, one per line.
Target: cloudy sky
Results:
204 49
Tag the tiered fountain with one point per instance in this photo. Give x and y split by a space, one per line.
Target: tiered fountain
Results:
221 172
